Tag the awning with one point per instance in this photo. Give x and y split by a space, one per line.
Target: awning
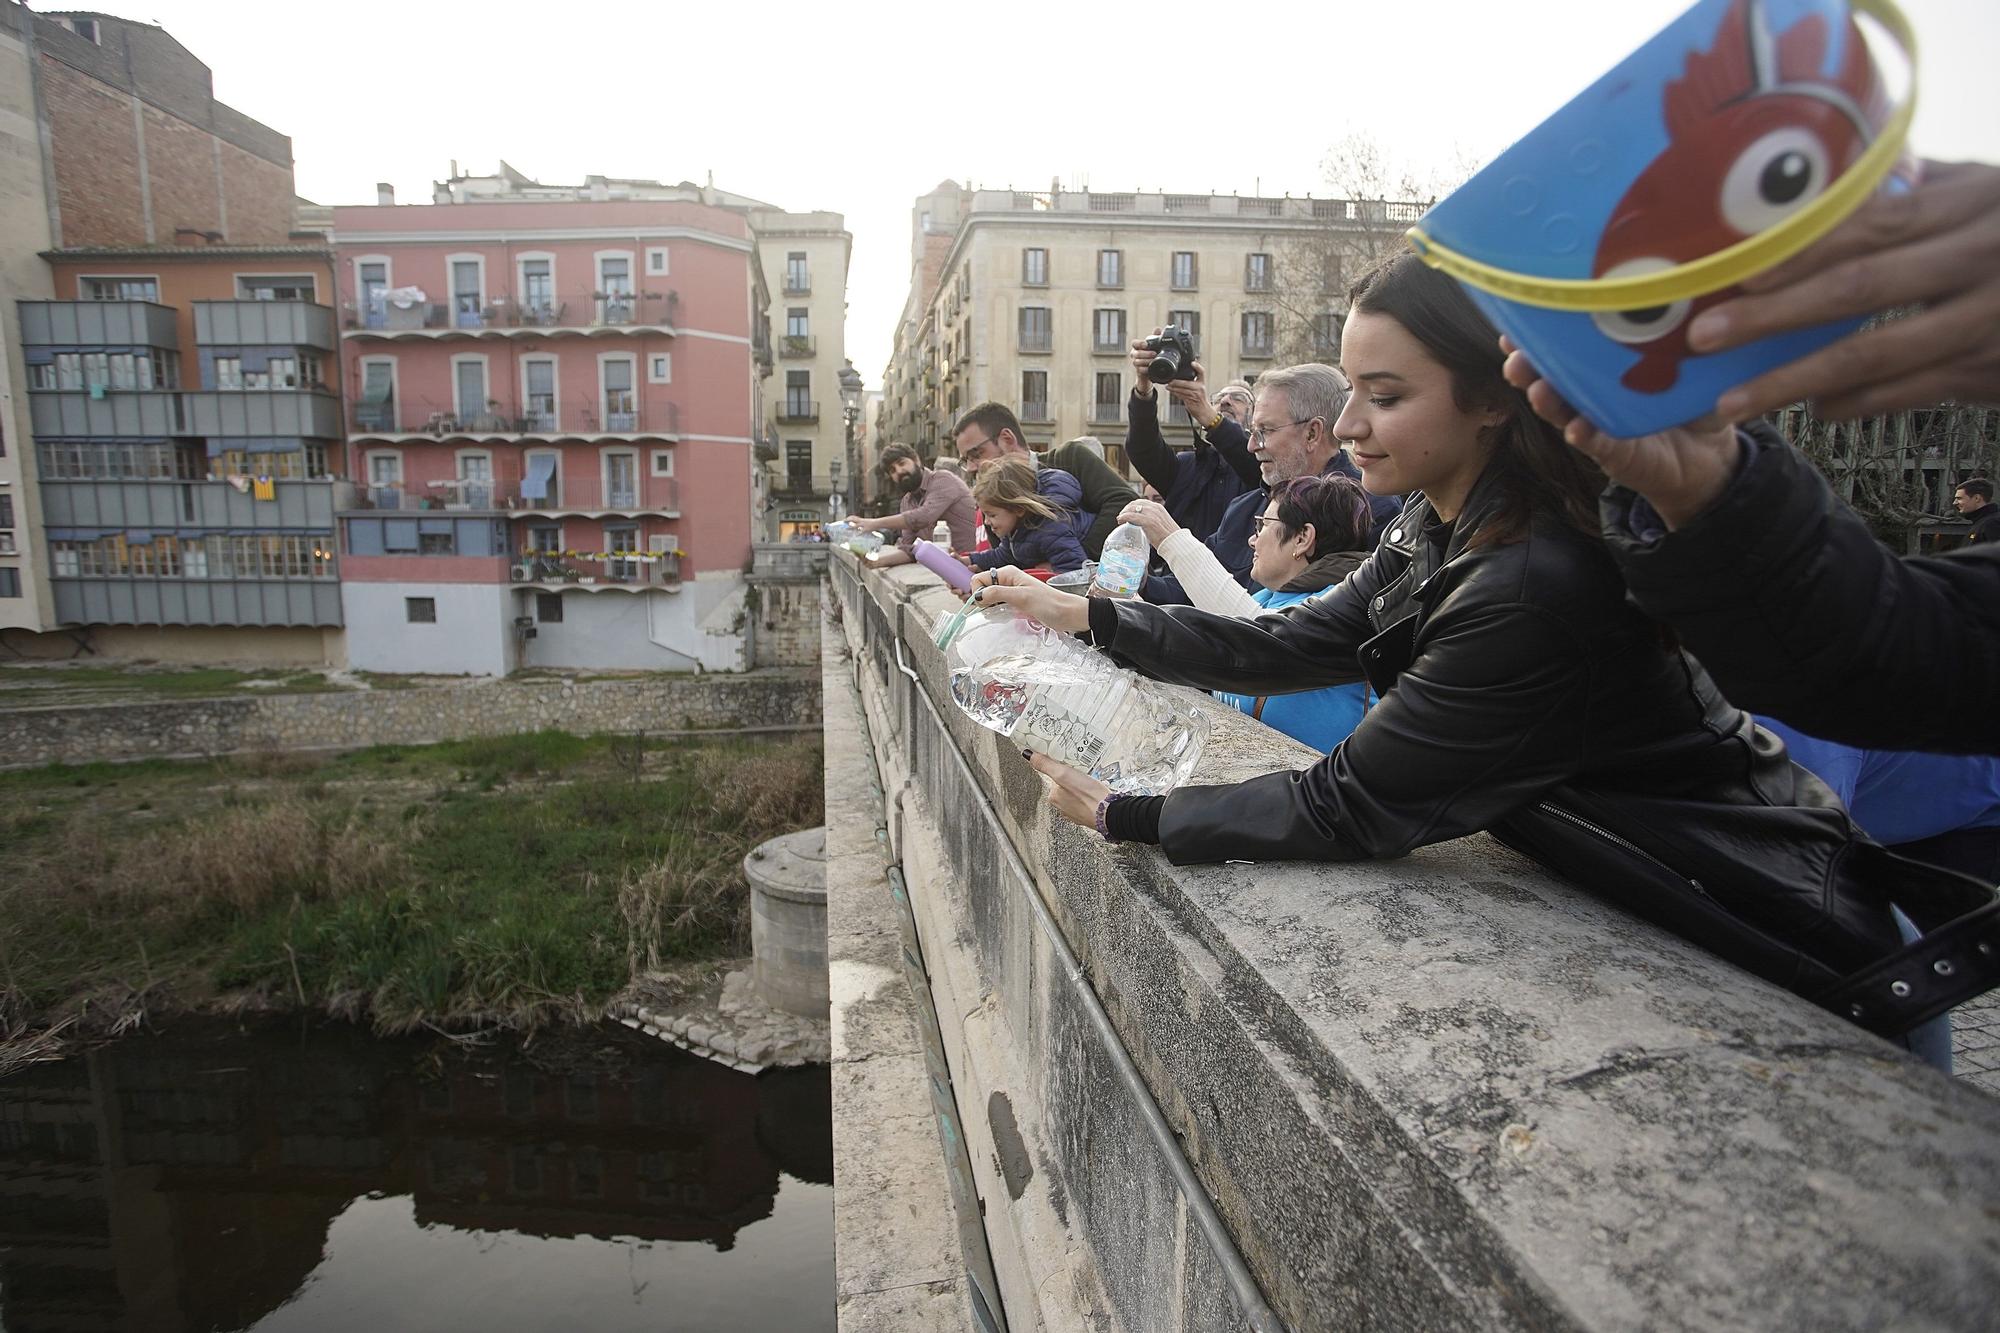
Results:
535 485
138 537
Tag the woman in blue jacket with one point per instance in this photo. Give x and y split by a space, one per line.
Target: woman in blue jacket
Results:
1035 515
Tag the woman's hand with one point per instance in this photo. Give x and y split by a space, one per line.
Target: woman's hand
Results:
1031 597
1681 471
1937 246
1152 518
1074 794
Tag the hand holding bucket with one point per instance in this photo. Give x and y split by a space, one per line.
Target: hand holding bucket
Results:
1737 137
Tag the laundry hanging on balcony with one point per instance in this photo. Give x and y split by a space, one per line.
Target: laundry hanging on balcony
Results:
541 469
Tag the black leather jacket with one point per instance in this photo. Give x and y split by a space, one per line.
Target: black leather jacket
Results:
1522 694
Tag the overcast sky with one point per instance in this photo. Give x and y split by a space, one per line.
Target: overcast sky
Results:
861 109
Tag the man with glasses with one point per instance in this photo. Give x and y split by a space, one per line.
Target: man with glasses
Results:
1291 435
1195 485
989 430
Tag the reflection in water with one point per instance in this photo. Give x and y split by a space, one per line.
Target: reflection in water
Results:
329 1180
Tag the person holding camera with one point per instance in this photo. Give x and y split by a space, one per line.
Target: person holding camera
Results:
1196 485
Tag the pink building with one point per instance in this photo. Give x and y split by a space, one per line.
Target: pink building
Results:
551 408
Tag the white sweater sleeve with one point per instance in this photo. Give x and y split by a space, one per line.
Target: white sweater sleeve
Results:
1207 584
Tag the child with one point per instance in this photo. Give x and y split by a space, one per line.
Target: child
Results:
1032 513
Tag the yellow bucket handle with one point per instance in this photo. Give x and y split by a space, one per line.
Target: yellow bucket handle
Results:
1724 268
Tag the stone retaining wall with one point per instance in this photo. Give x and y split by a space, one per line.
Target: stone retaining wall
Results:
758 700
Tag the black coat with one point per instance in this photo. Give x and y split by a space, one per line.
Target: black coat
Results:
1522 694
1197 485
1800 614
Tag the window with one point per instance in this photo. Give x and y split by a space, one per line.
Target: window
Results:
798 465
1107 402
545 538
371 280
1257 273
616 304
278 287
468 296
797 281
1184 270
663 462
538 385
229 372
621 479
538 290
436 543
1256 333
10 581
283 372
660 368
656 261
1035 336
1329 272
797 322
468 378
118 289
385 469
1326 336
548 608
621 404
1035 268
420 610
1111 268
1107 331
616 540
6 511
1034 395
798 394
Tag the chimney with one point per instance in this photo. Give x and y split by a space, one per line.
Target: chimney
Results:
385 193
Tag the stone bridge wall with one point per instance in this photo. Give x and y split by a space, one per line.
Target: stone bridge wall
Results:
758 700
1445 1092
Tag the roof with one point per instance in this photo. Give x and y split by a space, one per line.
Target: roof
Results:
176 252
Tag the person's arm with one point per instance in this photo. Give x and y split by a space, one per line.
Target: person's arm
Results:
1052 542
1144 444
1207 584
1232 445
1800 614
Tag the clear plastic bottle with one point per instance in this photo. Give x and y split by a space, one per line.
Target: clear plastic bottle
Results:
1121 569
1045 691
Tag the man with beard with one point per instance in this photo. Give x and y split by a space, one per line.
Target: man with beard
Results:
925 496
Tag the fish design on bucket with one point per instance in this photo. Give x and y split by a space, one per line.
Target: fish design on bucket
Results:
1756 131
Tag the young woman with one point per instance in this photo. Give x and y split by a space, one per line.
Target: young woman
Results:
1033 514
1519 691
1312 534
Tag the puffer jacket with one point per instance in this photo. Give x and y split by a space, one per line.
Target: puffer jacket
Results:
1520 693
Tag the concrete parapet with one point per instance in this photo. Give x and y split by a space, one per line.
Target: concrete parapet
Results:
1444 1092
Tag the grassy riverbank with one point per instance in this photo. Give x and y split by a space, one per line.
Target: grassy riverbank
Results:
510 880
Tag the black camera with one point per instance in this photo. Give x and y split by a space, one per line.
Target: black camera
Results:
1174 356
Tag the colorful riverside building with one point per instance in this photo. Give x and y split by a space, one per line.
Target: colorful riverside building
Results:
551 408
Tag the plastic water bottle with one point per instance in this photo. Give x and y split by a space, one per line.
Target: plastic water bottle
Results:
1121 569
1045 691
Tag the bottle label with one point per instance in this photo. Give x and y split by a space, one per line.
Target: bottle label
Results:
1071 723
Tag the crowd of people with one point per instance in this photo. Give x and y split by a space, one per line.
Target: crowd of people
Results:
1490 616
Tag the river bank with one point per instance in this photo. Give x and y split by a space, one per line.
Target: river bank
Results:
507 881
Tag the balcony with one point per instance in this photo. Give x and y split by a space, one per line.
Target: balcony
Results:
798 284
420 419
645 569
800 485
80 324
264 324
797 412
1035 411
137 599
106 413
1107 413
263 413
167 505
767 448
797 346
502 494
585 313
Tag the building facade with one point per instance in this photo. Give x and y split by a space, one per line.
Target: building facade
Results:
1037 297
805 258
169 360
551 406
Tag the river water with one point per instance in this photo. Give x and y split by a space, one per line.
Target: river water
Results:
315 1179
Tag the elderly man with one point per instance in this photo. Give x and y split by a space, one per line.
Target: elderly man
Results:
1291 435
925 496
990 431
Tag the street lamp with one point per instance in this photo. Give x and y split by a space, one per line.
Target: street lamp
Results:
850 413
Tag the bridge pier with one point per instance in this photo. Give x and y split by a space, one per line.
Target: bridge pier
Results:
1443 1092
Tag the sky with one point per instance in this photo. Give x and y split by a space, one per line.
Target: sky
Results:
859 109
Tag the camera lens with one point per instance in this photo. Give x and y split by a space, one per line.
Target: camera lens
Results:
1165 366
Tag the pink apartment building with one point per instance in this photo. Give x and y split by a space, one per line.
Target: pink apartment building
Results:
550 415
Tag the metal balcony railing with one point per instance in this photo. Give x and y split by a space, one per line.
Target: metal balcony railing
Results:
657 569
505 313
804 483
506 493
536 418
1035 411
796 411
1107 412
795 345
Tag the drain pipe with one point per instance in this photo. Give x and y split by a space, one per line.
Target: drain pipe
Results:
1243 1289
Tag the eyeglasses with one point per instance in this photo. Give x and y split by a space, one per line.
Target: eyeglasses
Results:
1258 434
978 451
1257 523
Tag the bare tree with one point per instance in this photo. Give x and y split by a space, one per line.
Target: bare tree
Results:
1373 199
